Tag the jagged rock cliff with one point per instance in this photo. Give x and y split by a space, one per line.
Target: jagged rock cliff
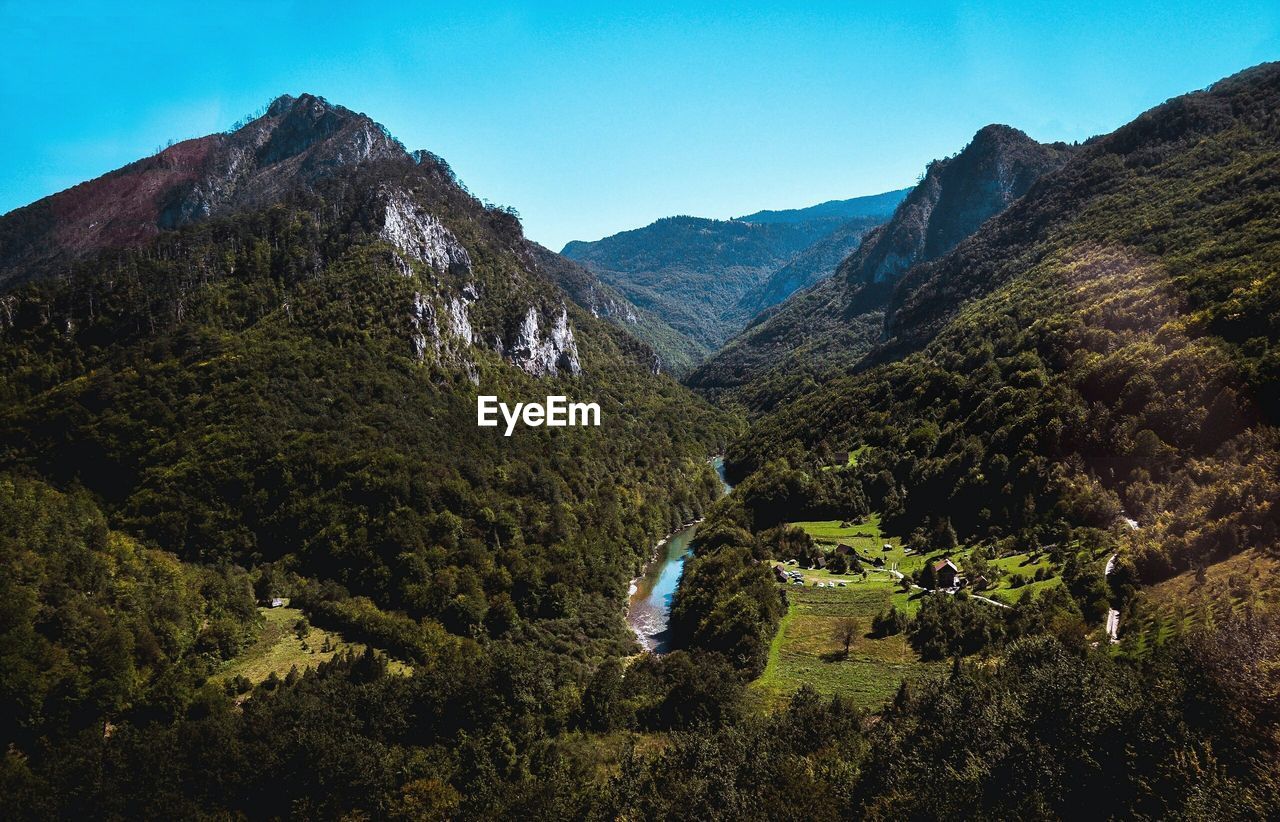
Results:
956 196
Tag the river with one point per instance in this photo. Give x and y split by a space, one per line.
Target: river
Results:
649 607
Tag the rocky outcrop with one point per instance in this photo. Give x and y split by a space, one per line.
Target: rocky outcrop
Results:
459 321
421 235
8 306
426 329
539 354
830 326
428 334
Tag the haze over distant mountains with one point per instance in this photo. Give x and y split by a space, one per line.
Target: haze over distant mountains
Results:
706 278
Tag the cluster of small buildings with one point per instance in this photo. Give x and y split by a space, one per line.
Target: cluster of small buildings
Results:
786 577
850 551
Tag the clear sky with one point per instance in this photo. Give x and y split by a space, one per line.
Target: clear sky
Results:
595 118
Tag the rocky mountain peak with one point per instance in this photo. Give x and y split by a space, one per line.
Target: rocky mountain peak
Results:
957 195
297 142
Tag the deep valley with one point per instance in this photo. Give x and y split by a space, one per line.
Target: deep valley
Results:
955 501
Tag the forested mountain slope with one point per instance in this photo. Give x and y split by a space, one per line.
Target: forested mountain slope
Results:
815 263
1087 384
1108 344
696 273
289 387
825 330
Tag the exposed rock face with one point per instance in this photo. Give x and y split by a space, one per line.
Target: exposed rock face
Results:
422 236
8 305
956 196
604 305
426 329
539 355
833 324
459 321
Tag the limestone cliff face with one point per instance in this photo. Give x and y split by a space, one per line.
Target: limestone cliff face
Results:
543 348
421 235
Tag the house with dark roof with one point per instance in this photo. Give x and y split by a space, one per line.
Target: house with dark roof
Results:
946 573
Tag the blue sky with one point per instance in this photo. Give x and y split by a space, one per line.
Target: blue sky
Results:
594 118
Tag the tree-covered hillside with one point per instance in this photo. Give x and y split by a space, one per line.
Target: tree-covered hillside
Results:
1107 345
707 278
238 387
285 396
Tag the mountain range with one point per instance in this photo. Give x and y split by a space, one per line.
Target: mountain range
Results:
706 278
827 328
1001 541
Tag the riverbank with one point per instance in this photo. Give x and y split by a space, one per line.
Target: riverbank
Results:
651 594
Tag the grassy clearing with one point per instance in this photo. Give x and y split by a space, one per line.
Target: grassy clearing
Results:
805 651
278 649
833 530
866 537
1027 565
852 460
869 539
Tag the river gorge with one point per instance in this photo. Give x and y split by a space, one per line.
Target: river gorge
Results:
652 593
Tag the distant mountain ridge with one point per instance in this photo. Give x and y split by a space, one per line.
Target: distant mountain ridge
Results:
696 273
815 263
826 329
875 205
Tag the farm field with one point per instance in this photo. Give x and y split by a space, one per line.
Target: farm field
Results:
805 651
